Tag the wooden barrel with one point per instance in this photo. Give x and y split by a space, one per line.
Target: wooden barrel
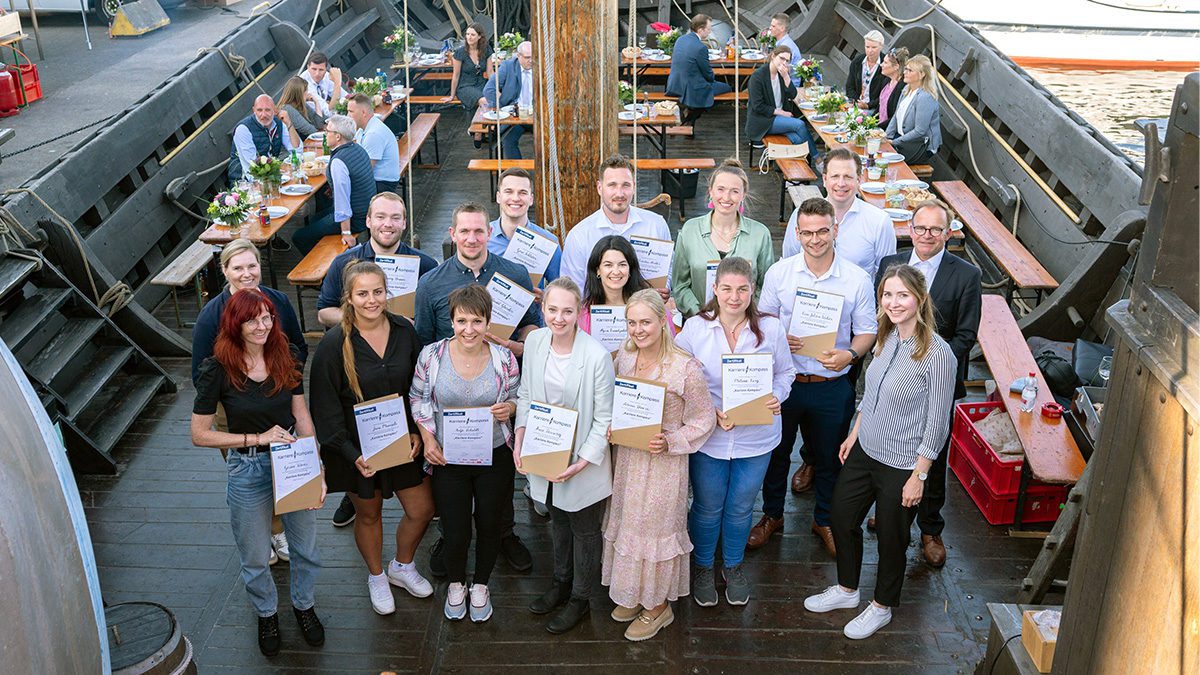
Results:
145 639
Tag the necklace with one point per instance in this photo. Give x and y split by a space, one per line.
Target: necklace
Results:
722 236
642 369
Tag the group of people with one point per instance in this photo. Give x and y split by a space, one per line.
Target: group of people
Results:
620 516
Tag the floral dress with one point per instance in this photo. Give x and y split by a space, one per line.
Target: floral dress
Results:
646 544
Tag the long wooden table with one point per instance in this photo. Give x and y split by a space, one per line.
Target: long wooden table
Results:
657 126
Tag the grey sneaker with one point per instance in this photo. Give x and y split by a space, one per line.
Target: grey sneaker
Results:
737 588
704 586
481 603
456 602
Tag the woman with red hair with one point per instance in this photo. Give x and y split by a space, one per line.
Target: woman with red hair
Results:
256 376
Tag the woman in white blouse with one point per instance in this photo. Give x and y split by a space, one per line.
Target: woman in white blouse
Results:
566 367
728 470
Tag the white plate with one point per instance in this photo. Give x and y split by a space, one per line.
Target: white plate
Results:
640 107
873 187
753 54
496 115
657 57
806 105
715 57
891 157
833 128
295 190
323 159
820 118
912 182
629 115
277 211
899 214
318 137
430 60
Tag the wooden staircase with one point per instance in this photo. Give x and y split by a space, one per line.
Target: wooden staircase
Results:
92 379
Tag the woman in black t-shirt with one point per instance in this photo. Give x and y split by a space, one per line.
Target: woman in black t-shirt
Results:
371 354
255 376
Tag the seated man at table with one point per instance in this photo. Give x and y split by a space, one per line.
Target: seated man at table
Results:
779 30
351 180
259 133
387 219
691 77
515 80
514 194
324 83
378 140
865 232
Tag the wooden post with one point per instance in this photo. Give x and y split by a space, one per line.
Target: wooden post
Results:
575 53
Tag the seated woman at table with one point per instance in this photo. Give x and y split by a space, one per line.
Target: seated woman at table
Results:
298 115
723 231
916 128
646 541
370 354
467 371
472 68
613 276
885 100
902 424
257 377
772 106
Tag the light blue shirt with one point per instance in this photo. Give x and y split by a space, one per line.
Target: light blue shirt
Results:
244 142
787 41
380 143
341 190
498 244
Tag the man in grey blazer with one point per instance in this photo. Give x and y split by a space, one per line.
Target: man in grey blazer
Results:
691 77
515 80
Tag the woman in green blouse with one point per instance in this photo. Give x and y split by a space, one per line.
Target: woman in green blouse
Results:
706 240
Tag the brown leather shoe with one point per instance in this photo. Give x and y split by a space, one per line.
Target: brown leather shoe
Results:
802 480
934 550
825 534
760 533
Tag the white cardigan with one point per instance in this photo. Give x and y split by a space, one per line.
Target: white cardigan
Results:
588 390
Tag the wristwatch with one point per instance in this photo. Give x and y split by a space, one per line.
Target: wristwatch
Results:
853 354
921 475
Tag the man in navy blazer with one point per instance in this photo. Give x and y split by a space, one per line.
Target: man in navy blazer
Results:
691 77
954 285
515 79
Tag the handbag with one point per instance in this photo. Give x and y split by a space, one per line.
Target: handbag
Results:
776 151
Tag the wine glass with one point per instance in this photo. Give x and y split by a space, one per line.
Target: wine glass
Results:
1105 369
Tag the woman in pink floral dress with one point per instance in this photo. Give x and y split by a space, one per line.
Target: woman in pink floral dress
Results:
646 544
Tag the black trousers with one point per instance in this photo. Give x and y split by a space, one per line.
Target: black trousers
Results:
455 490
864 481
578 546
929 511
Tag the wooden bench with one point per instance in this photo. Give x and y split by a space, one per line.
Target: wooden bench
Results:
1023 269
433 99
727 96
310 271
1051 454
795 171
184 270
719 71
921 170
410 143
671 131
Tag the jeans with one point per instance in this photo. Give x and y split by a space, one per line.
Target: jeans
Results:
456 489
578 546
723 492
510 141
822 412
387 186
320 226
251 505
796 131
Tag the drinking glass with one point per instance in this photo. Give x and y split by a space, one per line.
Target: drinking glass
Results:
1105 369
873 145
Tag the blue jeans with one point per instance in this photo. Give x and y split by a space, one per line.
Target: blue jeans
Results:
321 226
723 492
510 141
251 507
796 131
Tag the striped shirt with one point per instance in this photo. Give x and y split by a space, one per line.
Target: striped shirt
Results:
906 405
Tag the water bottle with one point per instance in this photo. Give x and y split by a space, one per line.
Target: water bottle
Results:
1029 394
446 48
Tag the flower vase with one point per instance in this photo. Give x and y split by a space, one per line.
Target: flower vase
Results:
860 140
269 190
403 56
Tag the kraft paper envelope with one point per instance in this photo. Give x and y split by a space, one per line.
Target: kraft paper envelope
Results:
658 282
639 437
397 452
307 496
815 344
752 412
548 465
404 305
501 331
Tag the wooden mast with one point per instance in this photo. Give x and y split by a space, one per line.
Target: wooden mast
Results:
575 52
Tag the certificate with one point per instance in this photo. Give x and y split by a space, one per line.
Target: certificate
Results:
816 316
510 301
710 279
533 250
549 439
654 257
637 411
746 381
467 436
402 272
608 325
296 475
383 432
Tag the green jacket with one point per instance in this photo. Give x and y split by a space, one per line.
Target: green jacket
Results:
694 249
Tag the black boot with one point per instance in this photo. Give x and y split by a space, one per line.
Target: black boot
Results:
552 599
268 634
569 616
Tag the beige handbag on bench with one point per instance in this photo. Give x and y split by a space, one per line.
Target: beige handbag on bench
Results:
775 151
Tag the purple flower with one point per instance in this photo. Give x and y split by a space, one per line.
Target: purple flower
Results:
230 200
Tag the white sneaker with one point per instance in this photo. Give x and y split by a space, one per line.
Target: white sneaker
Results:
408 578
381 594
456 602
481 603
830 599
274 558
280 546
872 619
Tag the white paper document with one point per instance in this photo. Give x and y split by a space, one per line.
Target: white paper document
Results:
510 301
815 313
637 404
710 279
744 378
294 465
548 428
467 436
380 423
532 250
608 325
654 257
401 271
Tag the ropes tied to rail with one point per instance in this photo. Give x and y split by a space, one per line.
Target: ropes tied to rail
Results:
236 63
408 184
546 20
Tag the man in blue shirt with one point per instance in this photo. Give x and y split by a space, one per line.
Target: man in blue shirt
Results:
514 194
352 182
387 220
779 29
378 140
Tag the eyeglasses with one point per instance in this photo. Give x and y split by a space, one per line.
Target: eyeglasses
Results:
809 234
921 230
264 321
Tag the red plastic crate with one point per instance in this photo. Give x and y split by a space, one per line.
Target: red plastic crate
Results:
1042 502
1002 474
31 81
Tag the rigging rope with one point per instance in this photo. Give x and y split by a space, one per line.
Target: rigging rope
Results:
881 7
637 112
412 228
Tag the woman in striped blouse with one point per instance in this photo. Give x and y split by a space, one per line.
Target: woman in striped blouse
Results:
902 425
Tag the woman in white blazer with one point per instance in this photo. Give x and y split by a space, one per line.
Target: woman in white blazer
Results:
565 366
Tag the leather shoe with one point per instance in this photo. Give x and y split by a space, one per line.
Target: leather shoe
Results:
934 550
760 533
825 534
871 523
516 554
802 480
553 598
569 616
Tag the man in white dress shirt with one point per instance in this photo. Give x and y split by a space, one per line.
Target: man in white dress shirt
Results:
324 83
865 233
617 215
821 403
